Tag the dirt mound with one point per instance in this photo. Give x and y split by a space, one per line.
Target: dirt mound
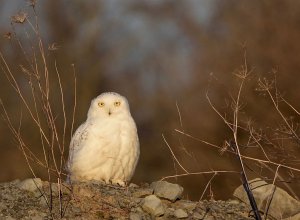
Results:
93 200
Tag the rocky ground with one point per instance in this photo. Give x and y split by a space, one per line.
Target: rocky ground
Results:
159 200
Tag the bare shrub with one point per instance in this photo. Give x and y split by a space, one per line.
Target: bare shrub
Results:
37 82
273 159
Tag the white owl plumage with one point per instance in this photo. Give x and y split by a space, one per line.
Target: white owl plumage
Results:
106 146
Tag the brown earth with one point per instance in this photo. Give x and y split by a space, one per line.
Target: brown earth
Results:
22 200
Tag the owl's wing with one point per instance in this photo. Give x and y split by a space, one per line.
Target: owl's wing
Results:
78 140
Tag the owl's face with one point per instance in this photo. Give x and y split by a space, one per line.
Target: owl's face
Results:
108 105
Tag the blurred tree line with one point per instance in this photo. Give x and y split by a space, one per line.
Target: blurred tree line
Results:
161 55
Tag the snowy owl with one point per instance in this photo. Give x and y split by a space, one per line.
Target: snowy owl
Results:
106 146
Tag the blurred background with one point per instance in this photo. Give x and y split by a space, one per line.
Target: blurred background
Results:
161 55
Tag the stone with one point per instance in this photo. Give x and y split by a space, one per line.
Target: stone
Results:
37 217
294 217
282 205
43 202
31 184
169 212
196 215
167 190
2 206
233 201
153 205
180 213
139 193
210 218
133 185
9 218
187 205
135 216
139 209
83 191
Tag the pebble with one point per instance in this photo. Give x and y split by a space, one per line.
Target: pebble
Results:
233 201
196 215
153 205
134 216
9 218
2 206
31 184
180 213
295 217
167 190
187 205
133 185
139 193
82 191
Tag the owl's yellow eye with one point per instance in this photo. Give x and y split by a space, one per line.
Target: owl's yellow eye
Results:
101 104
117 103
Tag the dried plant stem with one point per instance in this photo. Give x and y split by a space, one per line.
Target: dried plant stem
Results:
292 107
291 129
16 87
174 155
208 183
243 156
75 100
41 110
270 197
200 173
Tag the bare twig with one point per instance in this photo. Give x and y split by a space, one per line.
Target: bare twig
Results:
208 183
174 155
243 156
200 173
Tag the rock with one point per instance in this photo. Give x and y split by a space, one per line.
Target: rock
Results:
187 205
38 217
43 202
233 201
8 218
167 190
133 185
139 193
210 218
94 201
153 205
2 206
134 216
282 204
31 184
82 191
55 188
295 217
169 212
180 213
196 215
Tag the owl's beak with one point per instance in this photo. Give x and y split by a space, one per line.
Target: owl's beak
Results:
109 112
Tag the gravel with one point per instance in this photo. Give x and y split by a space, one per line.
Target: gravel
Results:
95 200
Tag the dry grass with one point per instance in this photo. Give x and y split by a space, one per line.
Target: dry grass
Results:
266 143
40 103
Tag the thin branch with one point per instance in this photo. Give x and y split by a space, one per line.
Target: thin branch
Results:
75 98
200 173
243 156
208 183
174 154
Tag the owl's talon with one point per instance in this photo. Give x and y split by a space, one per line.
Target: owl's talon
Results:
118 182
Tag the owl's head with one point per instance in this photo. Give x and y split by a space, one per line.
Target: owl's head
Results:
108 104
